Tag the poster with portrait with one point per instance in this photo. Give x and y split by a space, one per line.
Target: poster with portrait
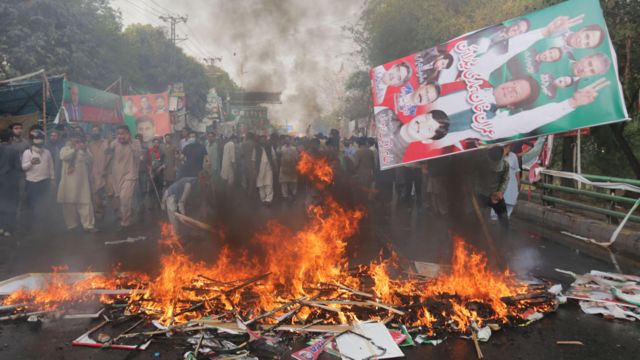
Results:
547 72
147 114
81 103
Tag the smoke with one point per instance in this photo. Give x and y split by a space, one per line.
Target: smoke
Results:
297 47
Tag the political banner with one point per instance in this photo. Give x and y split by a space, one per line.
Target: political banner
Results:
147 115
548 72
82 103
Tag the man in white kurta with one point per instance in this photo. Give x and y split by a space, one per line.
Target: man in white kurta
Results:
74 191
228 162
264 181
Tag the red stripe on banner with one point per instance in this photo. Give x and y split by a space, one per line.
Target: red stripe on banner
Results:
97 115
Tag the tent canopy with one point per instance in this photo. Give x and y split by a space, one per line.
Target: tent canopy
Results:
20 97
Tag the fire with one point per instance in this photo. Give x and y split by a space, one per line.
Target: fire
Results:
306 273
316 169
60 289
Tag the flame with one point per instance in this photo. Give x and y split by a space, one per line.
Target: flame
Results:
304 265
317 170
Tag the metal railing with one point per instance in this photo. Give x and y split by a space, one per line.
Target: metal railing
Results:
604 201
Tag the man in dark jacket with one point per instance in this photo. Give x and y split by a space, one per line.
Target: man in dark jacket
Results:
10 173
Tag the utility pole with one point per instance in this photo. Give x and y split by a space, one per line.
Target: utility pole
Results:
173 20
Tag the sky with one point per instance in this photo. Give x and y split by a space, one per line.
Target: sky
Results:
298 47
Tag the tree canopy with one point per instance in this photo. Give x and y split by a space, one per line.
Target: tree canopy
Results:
85 40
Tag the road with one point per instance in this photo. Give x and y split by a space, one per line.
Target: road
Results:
526 249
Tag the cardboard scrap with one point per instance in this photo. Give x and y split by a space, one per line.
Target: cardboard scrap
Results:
374 342
609 294
430 270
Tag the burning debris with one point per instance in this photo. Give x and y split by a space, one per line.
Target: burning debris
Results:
301 289
614 296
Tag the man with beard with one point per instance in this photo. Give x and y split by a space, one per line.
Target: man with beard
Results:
54 144
98 148
10 173
288 173
125 161
213 156
74 192
17 142
170 152
156 165
264 161
227 171
247 165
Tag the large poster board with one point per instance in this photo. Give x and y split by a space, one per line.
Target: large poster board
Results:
147 114
547 72
83 103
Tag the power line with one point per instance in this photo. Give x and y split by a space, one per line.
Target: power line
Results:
160 6
140 8
150 8
173 20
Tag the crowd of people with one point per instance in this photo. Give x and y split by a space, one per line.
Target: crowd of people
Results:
84 173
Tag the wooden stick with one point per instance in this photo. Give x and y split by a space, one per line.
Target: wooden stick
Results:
368 303
269 313
24 315
353 291
318 305
569 342
474 336
247 283
385 306
199 344
315 328
485 229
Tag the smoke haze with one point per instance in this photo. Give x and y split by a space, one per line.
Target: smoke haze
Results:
295 46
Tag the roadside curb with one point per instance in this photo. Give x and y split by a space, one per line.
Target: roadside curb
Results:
628 241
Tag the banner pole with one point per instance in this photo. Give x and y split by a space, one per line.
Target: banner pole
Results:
579 156
44 101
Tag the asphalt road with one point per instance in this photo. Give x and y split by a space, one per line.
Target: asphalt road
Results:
526 249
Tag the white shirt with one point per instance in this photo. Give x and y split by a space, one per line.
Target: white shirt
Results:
491 61
41 171
506 125
511 193
457 101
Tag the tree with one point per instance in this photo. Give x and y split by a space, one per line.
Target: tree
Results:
84 40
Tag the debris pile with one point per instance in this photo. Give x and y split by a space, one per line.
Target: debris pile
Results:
615 296
298 297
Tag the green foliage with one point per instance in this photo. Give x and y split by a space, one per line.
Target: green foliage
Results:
389 29
356 103
84 39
